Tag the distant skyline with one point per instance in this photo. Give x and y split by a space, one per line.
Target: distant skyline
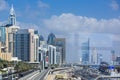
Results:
66 18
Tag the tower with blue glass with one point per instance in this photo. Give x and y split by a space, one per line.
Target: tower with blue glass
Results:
85 52
51 39
12 17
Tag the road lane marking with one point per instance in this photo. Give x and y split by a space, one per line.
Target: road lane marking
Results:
33 76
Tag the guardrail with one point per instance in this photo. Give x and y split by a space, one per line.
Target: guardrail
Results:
58 69
107 77
47 74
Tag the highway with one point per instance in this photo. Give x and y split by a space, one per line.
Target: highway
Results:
37 75
29 75
41 75
63 72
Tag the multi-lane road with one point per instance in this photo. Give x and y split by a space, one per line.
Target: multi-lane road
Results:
46 74
37 75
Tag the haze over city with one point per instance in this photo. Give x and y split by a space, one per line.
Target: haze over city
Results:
59 39
91 19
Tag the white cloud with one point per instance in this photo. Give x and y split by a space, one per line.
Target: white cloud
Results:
71 23
114 5
41 30
106 31
3 5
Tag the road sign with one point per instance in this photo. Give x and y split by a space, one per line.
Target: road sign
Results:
111 67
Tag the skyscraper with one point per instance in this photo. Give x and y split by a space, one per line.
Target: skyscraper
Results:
52 54
60 43
3 35
43 53
26 45
12 29
100 58
36 45
4 53
51 39
22 45
12 17
94 57
113 57
85 52
59 55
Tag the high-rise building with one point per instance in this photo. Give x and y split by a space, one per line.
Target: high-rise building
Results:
51 39
4 53
100 58
113 57
60 43
32 54
3 35
26 45
85 52
59 55
94 57
11 32
22 45
36 45
41 38
118 59
43 53
12 29
12 17
52 54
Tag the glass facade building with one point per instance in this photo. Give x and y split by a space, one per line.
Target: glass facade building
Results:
2 34
22 45
12 16
51 39
61 44
85 52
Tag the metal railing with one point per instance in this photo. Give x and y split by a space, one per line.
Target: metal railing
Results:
102 76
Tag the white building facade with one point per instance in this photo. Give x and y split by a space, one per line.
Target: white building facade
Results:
52 54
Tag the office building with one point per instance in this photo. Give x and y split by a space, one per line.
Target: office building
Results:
12 17
3 35
12 29
22 45
59 55
100 58
52 54
60 43
4 53
85 52
26 45
94 57
51 39
118 60
113 56
43 54
31 43
36 45
41 38
11 32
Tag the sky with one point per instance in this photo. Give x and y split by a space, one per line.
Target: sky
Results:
69 19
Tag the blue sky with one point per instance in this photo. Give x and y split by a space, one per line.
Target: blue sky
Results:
66 18
91 8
